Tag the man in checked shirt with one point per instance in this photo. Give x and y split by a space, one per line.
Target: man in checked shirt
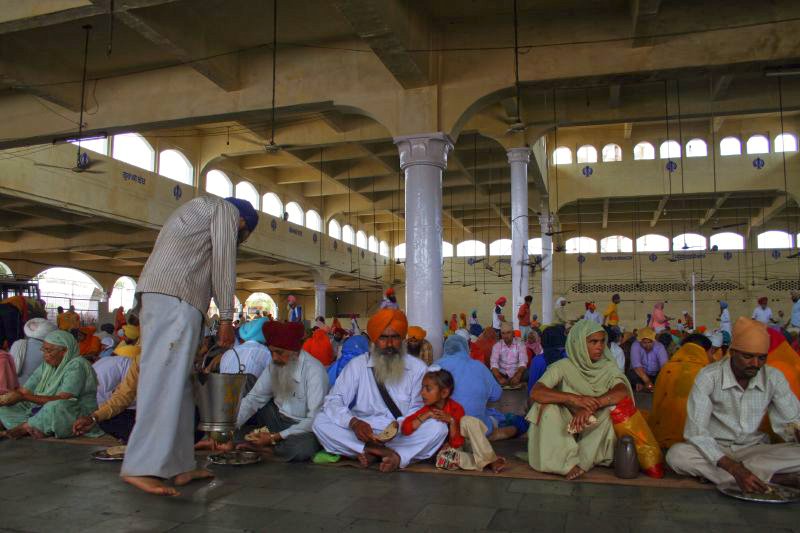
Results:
726 406
194 258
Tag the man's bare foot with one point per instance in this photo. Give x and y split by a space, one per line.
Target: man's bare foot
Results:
575 473
390 462
365 459
787 480
151 485
498 465
18 432
187 477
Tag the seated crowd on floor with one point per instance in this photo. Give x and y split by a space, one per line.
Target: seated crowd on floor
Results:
725 402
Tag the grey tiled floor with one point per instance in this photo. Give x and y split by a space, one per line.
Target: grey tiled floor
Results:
56 487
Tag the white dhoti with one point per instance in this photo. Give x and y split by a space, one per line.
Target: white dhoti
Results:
162 442
763 460
420 445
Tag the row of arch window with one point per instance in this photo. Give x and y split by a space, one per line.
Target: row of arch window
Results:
134 149
756 144
619 244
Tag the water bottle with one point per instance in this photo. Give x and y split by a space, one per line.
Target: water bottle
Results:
626 463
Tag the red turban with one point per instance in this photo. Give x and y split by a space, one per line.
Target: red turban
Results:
320 347
385 318
763 300
285 335
501 301
389 292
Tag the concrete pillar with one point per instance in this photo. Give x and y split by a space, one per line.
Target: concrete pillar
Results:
519 158
423 158
547 267
319 298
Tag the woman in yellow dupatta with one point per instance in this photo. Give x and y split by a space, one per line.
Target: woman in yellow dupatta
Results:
585 384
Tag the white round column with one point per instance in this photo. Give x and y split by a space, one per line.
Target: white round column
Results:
319 299
519 158
547 268
423 158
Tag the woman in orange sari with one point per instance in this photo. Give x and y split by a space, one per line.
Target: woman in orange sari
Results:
481 349
119 319
89 345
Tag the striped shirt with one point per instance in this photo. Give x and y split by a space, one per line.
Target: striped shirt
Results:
720 413
194 257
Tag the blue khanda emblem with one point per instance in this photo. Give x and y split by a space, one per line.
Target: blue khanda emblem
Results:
587 171
672 166
83 160
273 224
776 254
335 245
727 256
653 258
759 163
177 192
581 258
314 237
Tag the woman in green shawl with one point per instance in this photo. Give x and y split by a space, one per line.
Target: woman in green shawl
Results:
571 430
61 389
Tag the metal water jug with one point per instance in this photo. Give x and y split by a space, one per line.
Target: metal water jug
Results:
217 397
626 462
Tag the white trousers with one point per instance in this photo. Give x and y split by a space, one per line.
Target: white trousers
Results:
162 442
418 446
763 460
477 451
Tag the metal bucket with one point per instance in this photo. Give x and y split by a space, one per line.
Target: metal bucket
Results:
218 397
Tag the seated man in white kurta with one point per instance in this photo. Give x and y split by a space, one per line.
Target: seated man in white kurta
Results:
354 412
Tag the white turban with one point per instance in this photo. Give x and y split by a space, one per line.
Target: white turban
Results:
38 328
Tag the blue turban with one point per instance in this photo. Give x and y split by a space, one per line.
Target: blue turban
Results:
246 211
723 304
251 331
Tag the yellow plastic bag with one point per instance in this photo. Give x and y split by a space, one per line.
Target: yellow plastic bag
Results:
629 421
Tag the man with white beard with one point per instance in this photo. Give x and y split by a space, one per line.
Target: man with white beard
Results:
286 397
356 410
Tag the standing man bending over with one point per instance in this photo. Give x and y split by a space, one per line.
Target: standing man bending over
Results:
194 258
727 404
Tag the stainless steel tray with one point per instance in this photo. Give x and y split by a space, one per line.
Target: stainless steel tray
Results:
101 455
235 458
781 495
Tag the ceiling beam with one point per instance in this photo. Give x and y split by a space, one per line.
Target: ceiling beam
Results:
453 158
766 213
388 26
186 44
644 14
606 202
614 93
721 86
659 211
713 209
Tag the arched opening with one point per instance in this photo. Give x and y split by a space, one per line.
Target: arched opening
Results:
313 220
581 245
134 149
644 150
562 156
262 303
372 244
730 146
616 244
500 247
669 149
785 142
348 235
774 239
173 165
758 144
400 251
689 241
246 191
122 294
271 204
5 271
696 148
295 212
361 239
587 154
727 241
470 249
612 152
334 229
447 249
383 248
63 287
95 145
652 243
218 184
214 310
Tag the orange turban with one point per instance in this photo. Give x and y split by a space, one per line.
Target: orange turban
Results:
416 332
385 318
750 336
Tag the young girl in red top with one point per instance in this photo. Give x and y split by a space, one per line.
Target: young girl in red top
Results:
467 446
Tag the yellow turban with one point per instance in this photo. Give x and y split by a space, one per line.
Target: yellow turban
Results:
416 332
646 333
385 318
750 336
127 350
132 332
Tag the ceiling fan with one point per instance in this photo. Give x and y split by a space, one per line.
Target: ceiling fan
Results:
551 232
82 161
518 126
734 225
272 147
